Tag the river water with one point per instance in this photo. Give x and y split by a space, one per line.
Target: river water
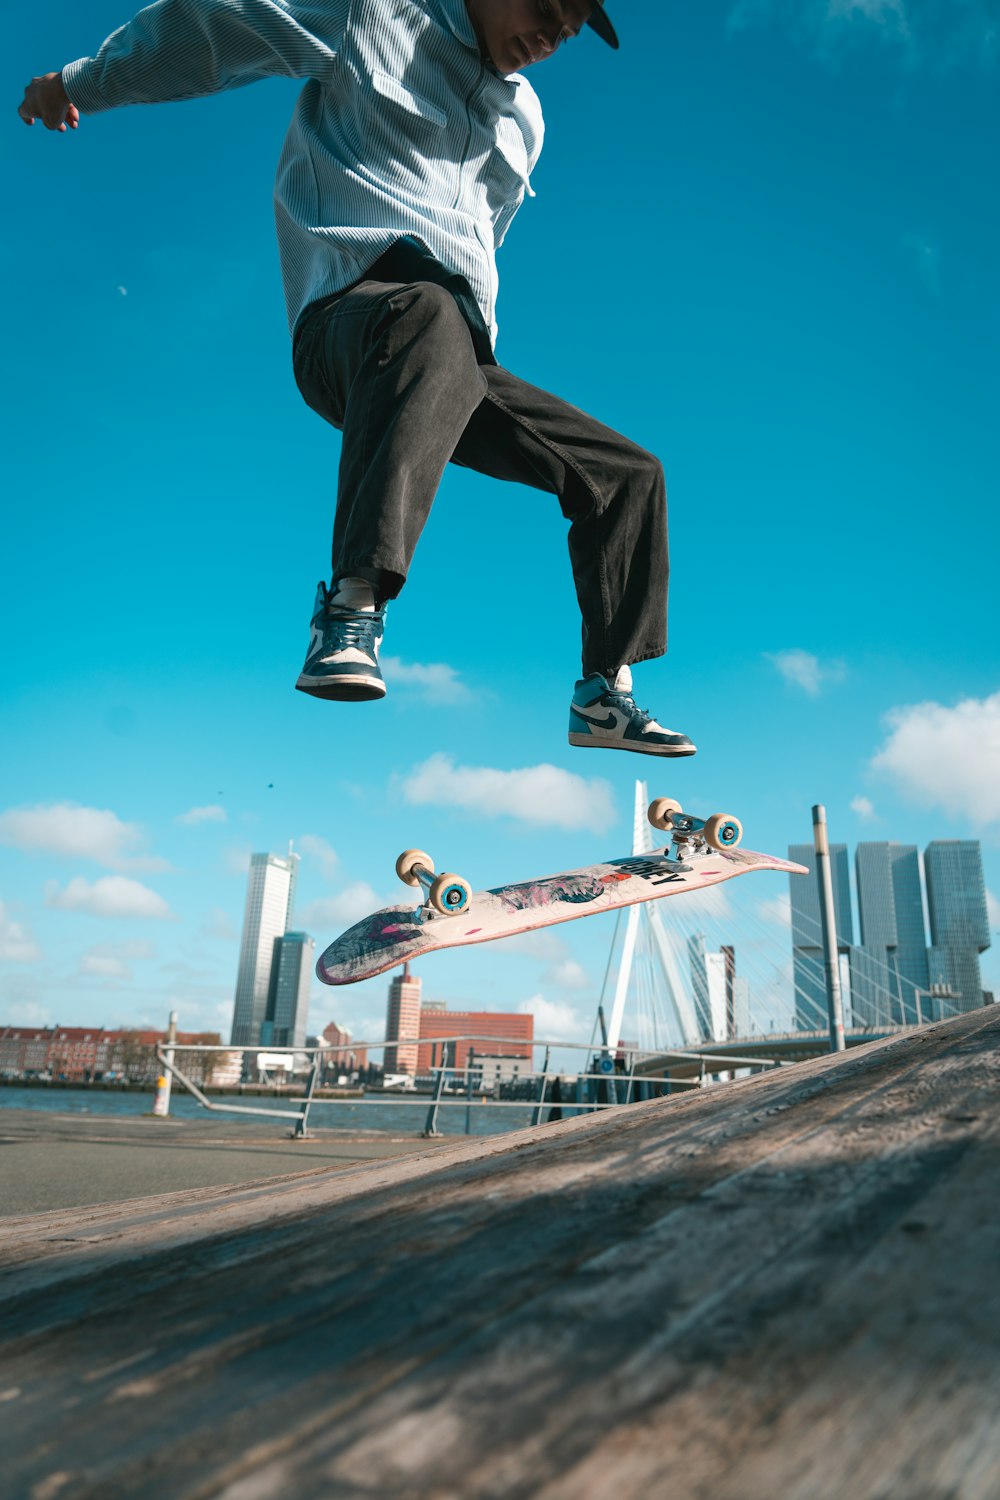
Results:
396 1115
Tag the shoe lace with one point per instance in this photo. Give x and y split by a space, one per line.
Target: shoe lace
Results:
628 705
355 627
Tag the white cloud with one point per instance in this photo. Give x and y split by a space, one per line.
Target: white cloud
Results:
111 896
435 681
925 257
540 794
25 1012
993 911
568 975
546 946
75 832
864 808
238 861
942 31
350 905
555 1020
803 670
824 22
946 757
104 966
16 943
217 925
195 815
710 903
777 909
891 13
317 848
114 960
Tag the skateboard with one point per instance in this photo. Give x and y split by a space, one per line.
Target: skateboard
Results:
702 852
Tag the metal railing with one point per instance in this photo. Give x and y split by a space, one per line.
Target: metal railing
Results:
612 1083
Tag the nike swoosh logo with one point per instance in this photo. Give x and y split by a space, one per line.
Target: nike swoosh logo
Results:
609 723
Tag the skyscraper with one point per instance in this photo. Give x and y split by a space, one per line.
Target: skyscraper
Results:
698 959
721 996
288 992
402 1018
960 928
890 966
267 915
808 968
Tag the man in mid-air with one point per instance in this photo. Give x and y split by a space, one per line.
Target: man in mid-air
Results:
408 155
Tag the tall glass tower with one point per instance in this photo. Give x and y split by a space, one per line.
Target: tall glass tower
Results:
960 928
698 959
288 993
267 915
891 965
808 969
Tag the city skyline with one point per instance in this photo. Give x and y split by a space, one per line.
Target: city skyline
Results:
722 994
922 920
812 359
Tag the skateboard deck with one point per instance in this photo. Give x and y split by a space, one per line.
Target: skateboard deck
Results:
397 934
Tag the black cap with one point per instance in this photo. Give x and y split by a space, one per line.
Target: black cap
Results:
599 21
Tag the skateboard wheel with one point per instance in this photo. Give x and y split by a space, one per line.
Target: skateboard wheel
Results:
407 862
661 810
450 894
723 831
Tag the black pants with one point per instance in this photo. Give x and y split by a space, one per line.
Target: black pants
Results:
394 367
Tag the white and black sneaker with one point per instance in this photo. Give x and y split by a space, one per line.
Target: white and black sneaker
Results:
603 715
342 658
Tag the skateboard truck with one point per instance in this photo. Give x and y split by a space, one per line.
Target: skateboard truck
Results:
445 895
692 836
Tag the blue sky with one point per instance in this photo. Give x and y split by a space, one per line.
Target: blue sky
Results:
804 329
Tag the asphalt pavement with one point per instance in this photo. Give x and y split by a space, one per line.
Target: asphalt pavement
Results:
59 1161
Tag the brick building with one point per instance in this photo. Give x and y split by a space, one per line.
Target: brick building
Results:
499 1033
80 1054
402 1019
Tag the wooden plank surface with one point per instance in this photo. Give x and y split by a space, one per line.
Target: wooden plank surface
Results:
786 1288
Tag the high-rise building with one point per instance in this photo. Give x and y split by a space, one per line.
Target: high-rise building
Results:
960 928
889 971
698 960
721 996
287 1011
402 1019
267 915
808 967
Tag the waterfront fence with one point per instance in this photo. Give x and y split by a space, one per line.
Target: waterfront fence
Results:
609 1079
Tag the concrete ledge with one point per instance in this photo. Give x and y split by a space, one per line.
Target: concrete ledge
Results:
787 1288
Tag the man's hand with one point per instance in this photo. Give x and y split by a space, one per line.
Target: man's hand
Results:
45 99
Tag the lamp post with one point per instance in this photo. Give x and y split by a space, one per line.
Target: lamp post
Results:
827 912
